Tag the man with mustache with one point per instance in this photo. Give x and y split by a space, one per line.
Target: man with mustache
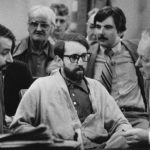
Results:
7 43
36 50
73 106
118 56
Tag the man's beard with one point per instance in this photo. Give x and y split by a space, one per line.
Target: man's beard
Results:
75 75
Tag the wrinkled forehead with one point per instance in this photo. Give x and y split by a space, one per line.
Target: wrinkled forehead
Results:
62 17
43 15
73 47
39 18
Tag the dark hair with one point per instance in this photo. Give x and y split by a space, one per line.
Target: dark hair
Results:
6 33
116 13
60 9
59 47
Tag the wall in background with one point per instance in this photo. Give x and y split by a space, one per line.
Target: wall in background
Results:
13 14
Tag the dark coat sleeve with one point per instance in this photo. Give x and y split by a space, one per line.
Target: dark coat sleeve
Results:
17 77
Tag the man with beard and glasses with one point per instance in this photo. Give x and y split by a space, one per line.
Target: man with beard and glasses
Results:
113 63
73 106
36 50
7 43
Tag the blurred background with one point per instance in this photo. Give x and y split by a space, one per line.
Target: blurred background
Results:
13 14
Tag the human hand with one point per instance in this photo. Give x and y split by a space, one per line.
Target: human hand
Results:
136 136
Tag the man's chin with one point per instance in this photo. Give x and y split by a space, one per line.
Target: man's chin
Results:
39 38
79 75
76 77
58 33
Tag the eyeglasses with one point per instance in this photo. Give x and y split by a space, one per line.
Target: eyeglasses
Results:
75 57
35 24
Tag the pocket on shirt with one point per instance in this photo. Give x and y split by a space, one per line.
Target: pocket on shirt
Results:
127 77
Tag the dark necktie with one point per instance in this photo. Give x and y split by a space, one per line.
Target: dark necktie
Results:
107 71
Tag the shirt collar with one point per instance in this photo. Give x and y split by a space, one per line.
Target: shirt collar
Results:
81 85
44 49
115 49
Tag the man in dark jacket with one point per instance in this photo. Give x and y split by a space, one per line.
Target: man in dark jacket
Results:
36 50
113 63
7 43
17 77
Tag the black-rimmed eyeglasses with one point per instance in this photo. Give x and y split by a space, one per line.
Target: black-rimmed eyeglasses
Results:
75 57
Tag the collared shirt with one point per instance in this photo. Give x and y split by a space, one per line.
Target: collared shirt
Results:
36 60
79 94
125 88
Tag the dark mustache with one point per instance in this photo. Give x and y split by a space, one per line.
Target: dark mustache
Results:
101 37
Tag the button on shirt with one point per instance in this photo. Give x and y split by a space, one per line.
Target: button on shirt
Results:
79 93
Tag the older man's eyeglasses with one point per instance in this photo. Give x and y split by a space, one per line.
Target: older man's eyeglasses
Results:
75 57
35 24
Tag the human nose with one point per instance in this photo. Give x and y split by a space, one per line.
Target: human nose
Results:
138 62
79 61
58 23
39 27
9 58
101 30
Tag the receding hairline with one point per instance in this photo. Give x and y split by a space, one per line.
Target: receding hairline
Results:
42 10
70 42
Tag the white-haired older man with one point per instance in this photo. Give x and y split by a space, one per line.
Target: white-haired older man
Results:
36 50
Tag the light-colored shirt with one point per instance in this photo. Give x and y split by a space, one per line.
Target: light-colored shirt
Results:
125 88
